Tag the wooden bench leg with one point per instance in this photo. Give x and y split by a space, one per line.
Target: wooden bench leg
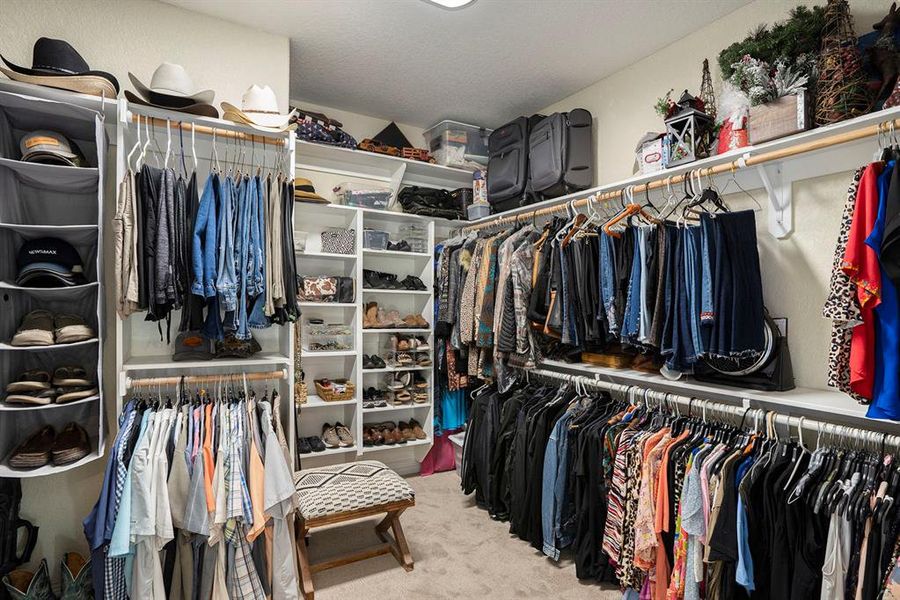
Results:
399 547
306 584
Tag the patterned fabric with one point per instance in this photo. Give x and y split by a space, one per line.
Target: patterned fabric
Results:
841 305
244 582
342 488
629 575
615 511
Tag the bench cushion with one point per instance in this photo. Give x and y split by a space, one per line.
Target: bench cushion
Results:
325 491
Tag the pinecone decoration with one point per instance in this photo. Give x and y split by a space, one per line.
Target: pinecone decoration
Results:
841 93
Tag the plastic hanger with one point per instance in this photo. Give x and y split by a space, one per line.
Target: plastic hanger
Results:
168 143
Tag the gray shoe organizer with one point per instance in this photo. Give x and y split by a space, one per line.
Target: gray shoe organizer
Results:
50 201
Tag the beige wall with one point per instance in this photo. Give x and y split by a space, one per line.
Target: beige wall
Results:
795 270
120 36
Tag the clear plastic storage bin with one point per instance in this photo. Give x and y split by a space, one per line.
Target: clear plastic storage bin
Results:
327 337
454 144
375 240
366 196
415 235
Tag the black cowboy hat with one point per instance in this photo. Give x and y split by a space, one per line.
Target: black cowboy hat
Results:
56 58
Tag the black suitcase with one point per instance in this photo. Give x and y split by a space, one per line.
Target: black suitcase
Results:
561 154
507 173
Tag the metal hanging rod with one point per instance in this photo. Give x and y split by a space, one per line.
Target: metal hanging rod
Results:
188 126
212 378
662 181
697 406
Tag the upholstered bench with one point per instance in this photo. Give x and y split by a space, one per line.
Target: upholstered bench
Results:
347 492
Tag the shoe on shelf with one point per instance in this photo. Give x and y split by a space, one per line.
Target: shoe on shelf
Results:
401 246
421 344
413 283
330 436
423 360
367 362
417 429
343 433
34 452
26 585
70 377
303 446
74 393
75 577
69 329
406 431
419 382
36 329
316 443
72 444
378 362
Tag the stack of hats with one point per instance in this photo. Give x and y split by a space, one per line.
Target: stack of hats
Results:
55 63
171 88
305 192
47 263
50 148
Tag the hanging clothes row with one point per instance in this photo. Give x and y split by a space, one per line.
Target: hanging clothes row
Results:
672 506
197 500
671 290
863 303
224 257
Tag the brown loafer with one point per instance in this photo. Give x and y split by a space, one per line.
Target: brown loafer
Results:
34 452
417 429
71 444
388 436
406 431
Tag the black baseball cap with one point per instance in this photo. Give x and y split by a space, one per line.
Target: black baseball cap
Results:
49 262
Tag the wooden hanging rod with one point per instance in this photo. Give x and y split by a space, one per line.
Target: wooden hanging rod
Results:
212 378
732 166
207 130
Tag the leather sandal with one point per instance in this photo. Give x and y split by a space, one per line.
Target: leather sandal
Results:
370 316
70 376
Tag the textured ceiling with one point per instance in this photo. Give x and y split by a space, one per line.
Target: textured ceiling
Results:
416 63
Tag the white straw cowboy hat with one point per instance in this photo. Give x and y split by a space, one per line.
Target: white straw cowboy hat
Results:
171 86
259 108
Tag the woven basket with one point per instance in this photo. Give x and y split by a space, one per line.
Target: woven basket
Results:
329 395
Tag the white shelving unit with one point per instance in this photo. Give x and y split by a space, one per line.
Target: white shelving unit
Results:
140 351
326 166
41 200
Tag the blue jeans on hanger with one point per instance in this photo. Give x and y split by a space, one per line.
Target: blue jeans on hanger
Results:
693 286
203 251
632 319
242 250
226 283
607 281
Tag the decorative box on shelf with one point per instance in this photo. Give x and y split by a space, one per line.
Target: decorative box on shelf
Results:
653 156
781 117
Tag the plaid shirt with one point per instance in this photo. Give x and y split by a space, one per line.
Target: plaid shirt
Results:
244 581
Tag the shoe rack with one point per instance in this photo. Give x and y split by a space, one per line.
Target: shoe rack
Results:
42 200
332 364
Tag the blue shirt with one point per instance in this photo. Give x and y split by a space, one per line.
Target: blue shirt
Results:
886 392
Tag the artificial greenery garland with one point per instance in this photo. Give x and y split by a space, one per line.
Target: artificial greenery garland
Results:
800 34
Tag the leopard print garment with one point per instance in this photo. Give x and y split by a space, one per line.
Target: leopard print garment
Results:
842 305
628 574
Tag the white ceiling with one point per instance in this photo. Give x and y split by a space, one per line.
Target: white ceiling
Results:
416 63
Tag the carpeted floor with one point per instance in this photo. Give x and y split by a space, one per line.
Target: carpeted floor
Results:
460 553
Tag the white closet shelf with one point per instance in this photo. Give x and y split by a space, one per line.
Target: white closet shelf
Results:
397 369
5 346
396 253
806 399
51 469
5 285
367 449
329 452
332 255
326 353
314 401
397 330
160 362
358 163
397 408
411 292
13 408
48 229
328 304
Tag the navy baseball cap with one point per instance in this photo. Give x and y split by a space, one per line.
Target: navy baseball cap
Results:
49 262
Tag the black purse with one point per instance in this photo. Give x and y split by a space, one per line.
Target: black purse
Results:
346 290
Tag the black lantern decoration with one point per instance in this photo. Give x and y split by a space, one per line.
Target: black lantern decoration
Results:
688 131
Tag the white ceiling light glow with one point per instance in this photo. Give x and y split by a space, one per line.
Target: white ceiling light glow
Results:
451 4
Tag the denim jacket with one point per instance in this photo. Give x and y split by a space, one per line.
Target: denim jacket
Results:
226 284
205 240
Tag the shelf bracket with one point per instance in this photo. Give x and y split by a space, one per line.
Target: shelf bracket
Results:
780 191
396 180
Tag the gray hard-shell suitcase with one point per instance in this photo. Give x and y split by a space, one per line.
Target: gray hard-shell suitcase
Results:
507 173
561 154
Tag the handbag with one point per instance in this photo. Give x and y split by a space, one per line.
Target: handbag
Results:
339 241
432 202
317 288
346 290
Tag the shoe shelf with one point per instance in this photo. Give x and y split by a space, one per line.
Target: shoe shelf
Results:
404 292
330 452
397 369
410 444
333 255
396 408
313 354
314 401
50 469
17 408
329 304
8 347
397 330
396 253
